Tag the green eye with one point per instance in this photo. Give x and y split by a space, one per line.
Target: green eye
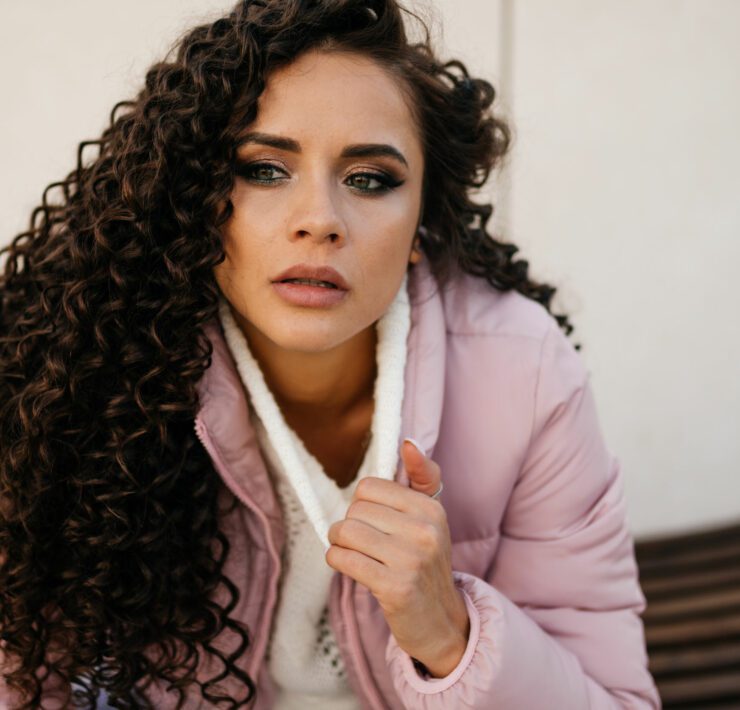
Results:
269 174
258 172
363 180
263 172
383 183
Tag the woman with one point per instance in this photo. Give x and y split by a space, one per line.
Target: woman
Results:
213 344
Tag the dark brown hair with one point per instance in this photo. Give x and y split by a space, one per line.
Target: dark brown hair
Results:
111 552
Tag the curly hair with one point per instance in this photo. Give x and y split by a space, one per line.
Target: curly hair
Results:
112 548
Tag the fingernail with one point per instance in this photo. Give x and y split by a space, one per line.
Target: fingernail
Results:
416 444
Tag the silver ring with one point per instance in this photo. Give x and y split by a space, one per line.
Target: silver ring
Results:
441 486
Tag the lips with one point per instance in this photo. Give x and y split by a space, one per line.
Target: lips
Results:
314 273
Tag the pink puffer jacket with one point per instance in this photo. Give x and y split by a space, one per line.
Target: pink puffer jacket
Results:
500 399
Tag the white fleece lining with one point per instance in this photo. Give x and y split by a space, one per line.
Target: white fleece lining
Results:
392 330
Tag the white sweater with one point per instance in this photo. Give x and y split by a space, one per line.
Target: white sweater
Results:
303 657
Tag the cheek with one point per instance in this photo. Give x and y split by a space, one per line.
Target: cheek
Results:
229 274
241 241
233 246
385 244
384 263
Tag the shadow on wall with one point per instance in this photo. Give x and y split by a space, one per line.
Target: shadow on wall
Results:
692 620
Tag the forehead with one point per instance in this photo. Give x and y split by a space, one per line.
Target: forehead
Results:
337 97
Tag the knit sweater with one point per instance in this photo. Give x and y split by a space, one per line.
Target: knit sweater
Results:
303 657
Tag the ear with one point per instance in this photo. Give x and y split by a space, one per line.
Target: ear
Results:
415 255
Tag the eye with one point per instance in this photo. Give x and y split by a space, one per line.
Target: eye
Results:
259 172
373 182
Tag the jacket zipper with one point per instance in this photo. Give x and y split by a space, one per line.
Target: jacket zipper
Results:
202 433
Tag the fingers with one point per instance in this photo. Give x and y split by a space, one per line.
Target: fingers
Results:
390 529
353 534
384 535
424 474
385 519
362 568
394 495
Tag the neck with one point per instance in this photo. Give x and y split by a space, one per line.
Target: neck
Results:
318 387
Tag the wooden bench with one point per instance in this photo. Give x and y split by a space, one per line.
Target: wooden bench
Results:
692 621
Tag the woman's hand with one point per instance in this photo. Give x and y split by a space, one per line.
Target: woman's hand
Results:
395 540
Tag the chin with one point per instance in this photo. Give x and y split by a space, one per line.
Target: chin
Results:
308 339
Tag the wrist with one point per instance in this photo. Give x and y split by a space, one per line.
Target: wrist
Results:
450 648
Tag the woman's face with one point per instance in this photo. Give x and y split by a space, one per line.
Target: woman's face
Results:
330 175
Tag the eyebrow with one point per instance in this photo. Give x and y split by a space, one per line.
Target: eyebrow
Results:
358 150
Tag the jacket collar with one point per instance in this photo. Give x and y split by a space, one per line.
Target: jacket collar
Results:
424 376
223 414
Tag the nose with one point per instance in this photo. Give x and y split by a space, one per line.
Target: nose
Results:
317 214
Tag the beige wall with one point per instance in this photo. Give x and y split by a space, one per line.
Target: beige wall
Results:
63 66
625 190
621 189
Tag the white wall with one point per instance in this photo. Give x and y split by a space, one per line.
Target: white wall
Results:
63 66
625 189
622 189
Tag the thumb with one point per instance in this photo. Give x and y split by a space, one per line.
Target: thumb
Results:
424 474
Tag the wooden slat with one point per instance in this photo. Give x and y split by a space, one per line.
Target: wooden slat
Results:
719 628
667 545
695 604
692 621
695 658
721 685
696 558
714 704
690 581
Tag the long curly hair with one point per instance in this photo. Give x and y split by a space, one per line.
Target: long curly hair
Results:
111 549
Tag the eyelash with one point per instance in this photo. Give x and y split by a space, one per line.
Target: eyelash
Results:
387 183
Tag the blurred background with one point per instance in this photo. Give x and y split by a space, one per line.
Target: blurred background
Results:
622 188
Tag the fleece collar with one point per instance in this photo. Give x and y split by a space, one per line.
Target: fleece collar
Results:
223 423
302 469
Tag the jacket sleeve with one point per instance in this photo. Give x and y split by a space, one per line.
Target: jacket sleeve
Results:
556 623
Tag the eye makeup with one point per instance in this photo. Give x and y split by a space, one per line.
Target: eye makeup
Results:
251 170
